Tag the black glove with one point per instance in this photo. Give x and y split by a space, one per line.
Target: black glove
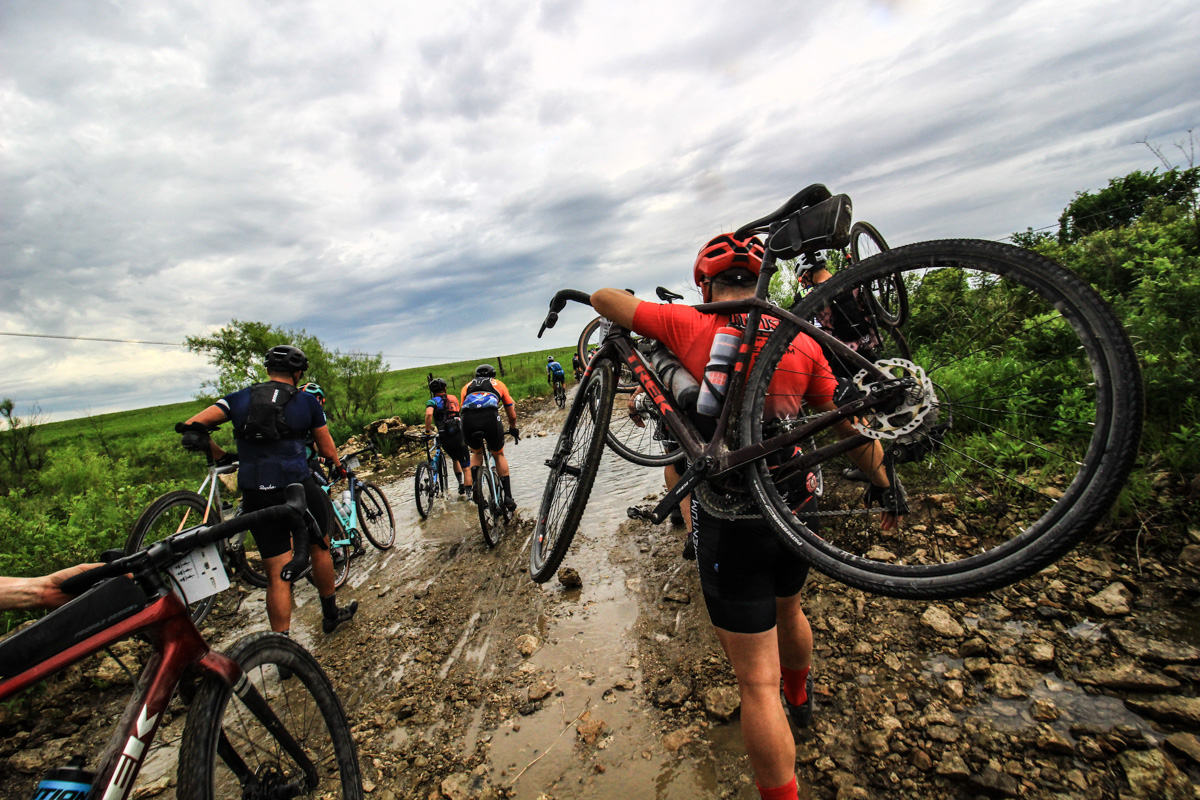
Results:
892 499
195 436
337 472
516 434
230 457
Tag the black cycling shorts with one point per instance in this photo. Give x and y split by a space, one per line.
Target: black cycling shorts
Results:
480 425
451 437
744 565
275 538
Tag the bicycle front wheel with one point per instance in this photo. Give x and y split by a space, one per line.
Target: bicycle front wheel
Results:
646 445
887 294
423 488
170 514
229 750
1017 431
573 468
375 516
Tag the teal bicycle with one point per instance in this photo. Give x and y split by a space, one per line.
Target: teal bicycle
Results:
361 509
432 479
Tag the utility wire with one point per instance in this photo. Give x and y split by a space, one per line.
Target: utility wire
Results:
177 344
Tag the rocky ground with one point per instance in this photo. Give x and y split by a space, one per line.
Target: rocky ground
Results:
463 679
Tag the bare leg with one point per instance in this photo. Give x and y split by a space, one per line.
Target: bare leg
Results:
795 635
755 661
279 593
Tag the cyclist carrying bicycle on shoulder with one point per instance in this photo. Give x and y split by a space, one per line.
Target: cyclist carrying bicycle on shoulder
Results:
481 401
753 600
442 410
271 421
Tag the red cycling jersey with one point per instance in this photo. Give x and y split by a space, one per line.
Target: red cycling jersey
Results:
802 373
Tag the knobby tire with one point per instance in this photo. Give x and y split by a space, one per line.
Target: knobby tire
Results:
1033 434
423 488
169 514
573 465
305 703
375 516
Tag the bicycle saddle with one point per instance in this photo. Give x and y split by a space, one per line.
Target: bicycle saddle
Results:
808 196
666 295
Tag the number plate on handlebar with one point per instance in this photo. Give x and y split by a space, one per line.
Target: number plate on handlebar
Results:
351 462
200 573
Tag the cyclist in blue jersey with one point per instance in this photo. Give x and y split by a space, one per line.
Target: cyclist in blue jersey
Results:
441 410
481 401
270 423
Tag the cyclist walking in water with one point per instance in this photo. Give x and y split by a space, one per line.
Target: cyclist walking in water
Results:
270 423
554 372
442 410
481 401
751 581
577 366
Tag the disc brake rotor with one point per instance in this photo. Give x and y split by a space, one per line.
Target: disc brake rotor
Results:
917 408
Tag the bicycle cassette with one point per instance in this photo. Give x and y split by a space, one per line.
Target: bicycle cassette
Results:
918 406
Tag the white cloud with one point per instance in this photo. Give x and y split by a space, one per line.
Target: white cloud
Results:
420 179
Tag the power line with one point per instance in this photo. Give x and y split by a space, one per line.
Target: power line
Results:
177 344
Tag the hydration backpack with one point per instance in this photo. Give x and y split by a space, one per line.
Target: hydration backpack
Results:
481 394
264 422
556 369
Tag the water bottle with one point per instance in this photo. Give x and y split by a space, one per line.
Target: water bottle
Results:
716 375
345 498
69 782
674 375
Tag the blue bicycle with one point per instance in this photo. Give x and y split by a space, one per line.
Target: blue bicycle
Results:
432 476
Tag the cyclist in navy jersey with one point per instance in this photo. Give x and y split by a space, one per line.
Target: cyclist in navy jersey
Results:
270 423
441 410
481 401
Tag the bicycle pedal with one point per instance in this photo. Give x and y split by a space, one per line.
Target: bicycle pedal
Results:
637 513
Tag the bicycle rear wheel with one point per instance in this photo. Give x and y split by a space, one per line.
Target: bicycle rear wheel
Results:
1020 430
489 503
252 761
375 516
572 471
887 294
423 488
170 514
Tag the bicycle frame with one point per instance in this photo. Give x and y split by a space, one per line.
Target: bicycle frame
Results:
178 646
714 457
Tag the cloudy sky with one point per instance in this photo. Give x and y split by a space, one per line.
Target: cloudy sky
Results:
417 179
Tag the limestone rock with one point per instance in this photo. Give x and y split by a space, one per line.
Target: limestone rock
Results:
569 578
674 740
994 783
1153 776
589 730
673 693
940 622
1187 744
527 644
540 690
1010 681
1189 557
1180 710
1128 677
1146 649
1113 601
952 766
722 702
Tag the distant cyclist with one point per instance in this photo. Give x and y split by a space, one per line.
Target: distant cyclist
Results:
577 366
315 461
442 410
481 401
555 375
270 423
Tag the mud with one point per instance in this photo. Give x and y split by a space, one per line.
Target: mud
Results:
463 679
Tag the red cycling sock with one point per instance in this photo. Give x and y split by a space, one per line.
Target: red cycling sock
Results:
789 791
795 684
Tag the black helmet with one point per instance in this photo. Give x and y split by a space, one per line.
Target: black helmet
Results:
485 371
285 358
437 385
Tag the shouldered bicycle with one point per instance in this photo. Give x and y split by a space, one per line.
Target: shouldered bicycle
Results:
263 719
1012 427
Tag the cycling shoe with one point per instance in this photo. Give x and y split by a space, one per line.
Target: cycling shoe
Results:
344 614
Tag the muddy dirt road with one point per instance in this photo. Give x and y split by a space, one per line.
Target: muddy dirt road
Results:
463 679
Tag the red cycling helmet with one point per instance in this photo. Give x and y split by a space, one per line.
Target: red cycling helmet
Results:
725 252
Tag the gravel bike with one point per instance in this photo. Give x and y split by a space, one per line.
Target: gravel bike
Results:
488 494
560 394
1006 436
175 511
432 478
362 508
263 720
